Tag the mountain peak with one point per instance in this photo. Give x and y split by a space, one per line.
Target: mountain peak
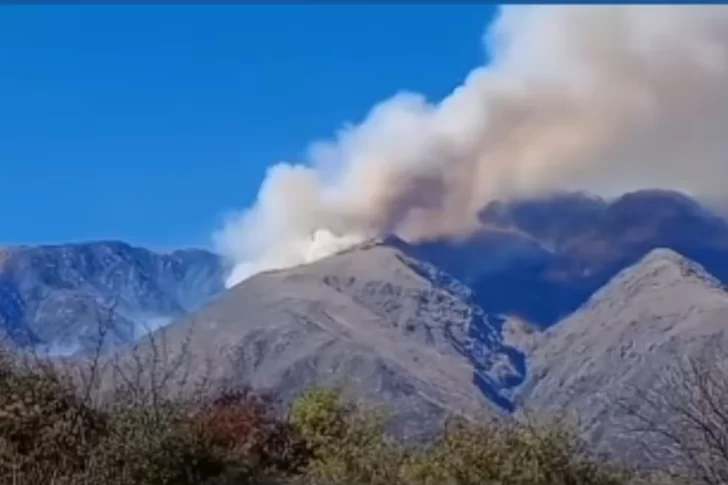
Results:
668 257
386 240
371 319
663 281
627 336
381 258
663 267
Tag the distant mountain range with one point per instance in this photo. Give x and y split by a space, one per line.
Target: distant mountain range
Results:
56 297
563 302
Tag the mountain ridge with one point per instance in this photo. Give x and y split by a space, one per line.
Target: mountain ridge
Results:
401 332
387 328
629 335
50 295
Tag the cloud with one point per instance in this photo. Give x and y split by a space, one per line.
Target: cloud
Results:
598 98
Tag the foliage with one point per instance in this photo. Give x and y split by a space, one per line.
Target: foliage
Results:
53 433
350 447
347 445
44 426
242 427
50 435
509 455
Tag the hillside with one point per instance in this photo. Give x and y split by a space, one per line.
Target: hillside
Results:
628 337
429 329
54 297
386 327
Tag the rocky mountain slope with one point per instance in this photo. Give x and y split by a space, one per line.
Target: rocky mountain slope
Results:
628 336
384 326
392 329
54 297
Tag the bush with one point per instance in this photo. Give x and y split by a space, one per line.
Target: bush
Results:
508 455
350 446
254 443
347 445
46 431
51 434
152 447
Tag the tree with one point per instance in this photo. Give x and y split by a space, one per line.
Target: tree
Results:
682 421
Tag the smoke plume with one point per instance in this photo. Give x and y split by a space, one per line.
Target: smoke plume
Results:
598 98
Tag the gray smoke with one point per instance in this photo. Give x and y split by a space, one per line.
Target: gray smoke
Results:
598 98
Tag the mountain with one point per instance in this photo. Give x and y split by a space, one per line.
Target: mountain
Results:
391 329
538 259
374 320
54 297
628 336
552 297
542 258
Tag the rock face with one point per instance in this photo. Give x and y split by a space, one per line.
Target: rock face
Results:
628 335
55 296
382 325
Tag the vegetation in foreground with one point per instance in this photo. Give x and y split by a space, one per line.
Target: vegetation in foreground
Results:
52 433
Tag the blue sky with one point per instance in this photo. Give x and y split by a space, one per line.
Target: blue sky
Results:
147 123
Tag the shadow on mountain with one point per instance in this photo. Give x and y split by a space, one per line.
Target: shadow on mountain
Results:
497 368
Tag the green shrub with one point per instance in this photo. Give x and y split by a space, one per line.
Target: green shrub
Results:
348 446
152 447
509 455
50 434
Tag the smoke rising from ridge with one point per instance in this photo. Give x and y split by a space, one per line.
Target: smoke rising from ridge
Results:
598 98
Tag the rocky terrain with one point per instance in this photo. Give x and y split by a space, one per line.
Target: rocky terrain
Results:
374 321
624 341
393 330
55 297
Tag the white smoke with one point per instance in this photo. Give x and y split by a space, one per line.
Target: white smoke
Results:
599 98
